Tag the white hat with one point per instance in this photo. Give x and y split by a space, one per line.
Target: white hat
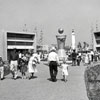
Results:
53 49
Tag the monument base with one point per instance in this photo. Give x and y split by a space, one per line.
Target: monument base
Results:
61 54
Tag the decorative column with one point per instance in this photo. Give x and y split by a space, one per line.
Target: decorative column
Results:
61 44
73 40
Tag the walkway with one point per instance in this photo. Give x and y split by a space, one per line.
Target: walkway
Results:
40 88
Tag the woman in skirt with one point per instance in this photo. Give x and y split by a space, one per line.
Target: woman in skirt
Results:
86 59
32 66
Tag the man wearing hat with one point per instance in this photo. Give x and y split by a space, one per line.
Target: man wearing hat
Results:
14 63
53 60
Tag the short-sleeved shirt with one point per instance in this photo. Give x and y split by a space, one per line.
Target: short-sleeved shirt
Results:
74 55
53 57
1 63
14 56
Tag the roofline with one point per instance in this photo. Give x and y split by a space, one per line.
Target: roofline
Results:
20 32
96 32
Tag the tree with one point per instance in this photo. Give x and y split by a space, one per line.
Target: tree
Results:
79 46
85 45
67 48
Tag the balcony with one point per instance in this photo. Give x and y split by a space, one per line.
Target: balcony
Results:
20 36
20 40
20 43
19 47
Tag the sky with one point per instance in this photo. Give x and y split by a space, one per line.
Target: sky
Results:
49 16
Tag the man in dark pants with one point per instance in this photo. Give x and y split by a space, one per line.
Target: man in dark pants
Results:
53 61
53 70
74 55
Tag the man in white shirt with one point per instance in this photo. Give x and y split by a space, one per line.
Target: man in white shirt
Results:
53 60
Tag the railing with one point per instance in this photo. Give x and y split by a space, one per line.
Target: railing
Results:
19 39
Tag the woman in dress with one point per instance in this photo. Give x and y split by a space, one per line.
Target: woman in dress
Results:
86 59
32 66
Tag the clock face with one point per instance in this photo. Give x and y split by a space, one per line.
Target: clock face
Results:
60 30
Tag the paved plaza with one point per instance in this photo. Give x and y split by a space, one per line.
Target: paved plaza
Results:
41 88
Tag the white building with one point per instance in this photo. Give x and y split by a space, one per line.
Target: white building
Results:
19 40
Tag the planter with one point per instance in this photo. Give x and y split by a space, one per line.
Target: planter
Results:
92 81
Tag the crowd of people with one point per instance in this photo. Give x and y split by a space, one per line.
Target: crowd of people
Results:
28 62
86 57
20 62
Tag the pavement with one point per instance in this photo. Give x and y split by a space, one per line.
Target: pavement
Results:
41 88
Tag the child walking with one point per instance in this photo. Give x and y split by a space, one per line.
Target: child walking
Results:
23 68
64 67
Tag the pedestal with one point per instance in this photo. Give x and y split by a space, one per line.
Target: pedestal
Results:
61 45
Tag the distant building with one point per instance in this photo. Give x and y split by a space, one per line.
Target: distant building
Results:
42 48
19 40
96 41
45 48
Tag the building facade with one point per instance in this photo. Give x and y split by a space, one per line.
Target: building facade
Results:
96 41
22 41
